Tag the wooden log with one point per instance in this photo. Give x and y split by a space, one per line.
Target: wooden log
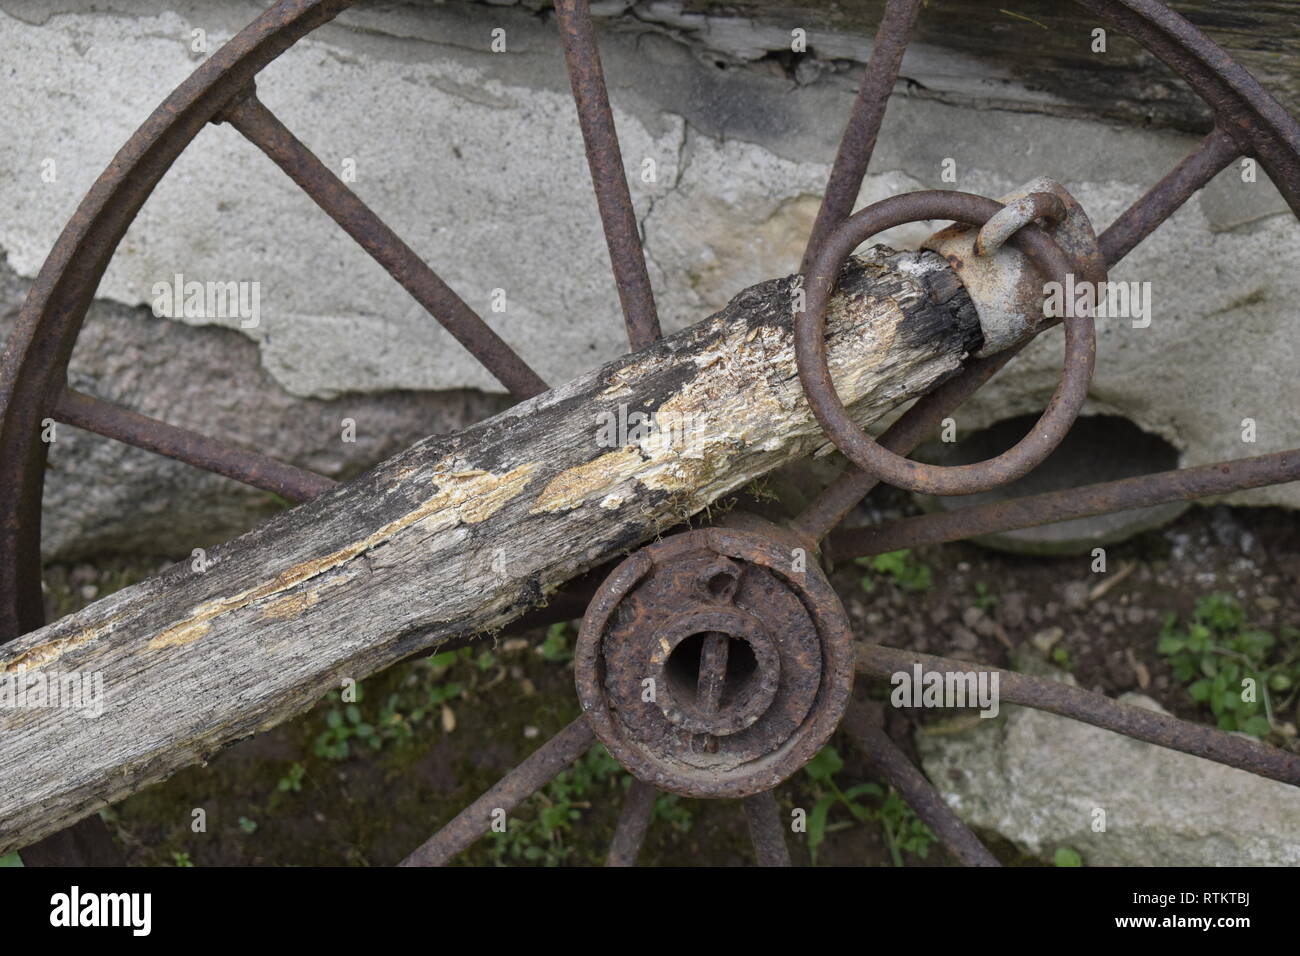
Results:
458 534
1046 46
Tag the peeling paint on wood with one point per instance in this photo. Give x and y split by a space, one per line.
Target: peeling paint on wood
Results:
456 535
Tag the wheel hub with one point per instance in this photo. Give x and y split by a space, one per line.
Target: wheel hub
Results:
715 663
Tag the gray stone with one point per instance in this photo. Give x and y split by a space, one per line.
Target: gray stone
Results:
1097 449
1011 608
964 639
1047 638
475 159
1075 595
1038 780
103 496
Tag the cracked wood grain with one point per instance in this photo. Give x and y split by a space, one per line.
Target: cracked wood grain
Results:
457 535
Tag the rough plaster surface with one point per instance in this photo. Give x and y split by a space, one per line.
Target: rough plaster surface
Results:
474 157
1038 779
104 496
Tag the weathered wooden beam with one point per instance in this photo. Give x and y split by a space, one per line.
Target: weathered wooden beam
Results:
1047 45
458 534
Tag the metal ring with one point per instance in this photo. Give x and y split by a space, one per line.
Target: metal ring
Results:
1014 216
815 376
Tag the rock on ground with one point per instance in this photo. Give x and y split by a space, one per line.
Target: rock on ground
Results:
1038 780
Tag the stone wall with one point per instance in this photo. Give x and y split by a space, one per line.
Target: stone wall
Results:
474 157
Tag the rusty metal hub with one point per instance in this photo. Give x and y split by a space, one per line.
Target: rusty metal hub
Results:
715 663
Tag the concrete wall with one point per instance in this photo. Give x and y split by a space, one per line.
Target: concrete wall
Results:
474 158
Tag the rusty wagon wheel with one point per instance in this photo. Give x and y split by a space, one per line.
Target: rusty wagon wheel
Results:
754 663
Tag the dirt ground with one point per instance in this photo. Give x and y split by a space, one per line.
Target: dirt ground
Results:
364 784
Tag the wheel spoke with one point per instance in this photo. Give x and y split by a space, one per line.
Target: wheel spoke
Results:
633 822
202 451
912 427
1049 507
1163 199
33 364
713 671
261 127
1064 700
1215 152
617 215
765 830
859 140
890 763
1260 124
510 791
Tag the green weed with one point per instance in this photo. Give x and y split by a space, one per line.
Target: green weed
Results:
902 830
291 782
1067 856
555 648
898 566
1233 669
